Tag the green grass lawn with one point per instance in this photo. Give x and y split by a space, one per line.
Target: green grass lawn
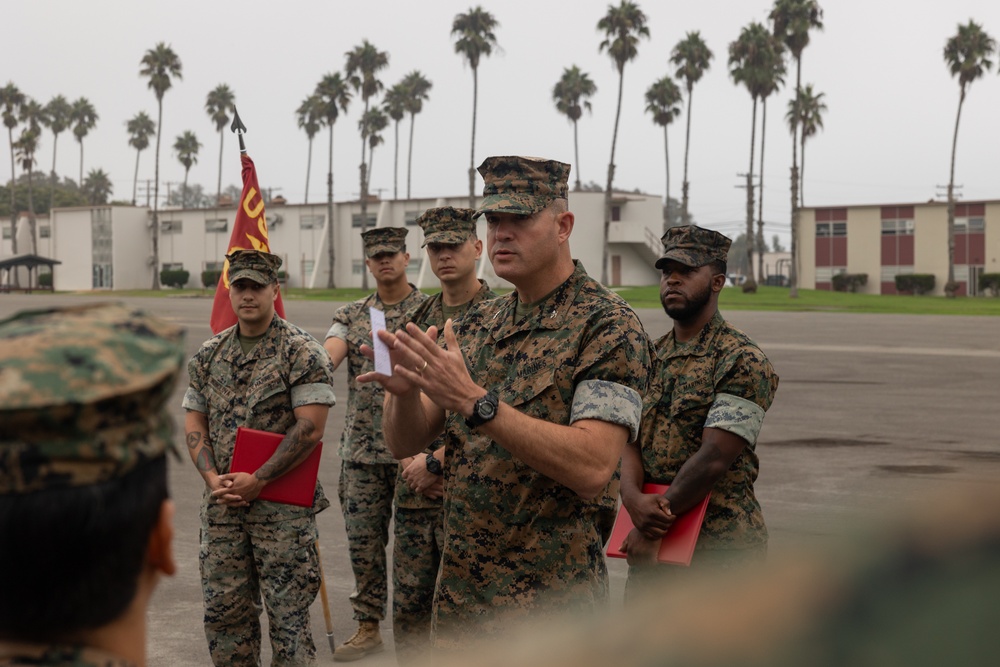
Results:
732 298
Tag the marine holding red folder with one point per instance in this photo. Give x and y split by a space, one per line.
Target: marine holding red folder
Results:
702 414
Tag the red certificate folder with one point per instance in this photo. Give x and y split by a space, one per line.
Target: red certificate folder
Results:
296 487
677 546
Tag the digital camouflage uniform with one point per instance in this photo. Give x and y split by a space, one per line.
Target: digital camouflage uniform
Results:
517 542
368 470
267 548
82 402
419 528
718 379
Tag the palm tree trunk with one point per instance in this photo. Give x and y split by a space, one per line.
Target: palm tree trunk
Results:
52 192
364 194
576 154
750 283
81 162
611 178
13 202
802 170
309 164
395 165
793 271
31 217
666 197
135 178
687 145
472 152
156 197
409 157
184 192
760 195
330 283
950 287
218 184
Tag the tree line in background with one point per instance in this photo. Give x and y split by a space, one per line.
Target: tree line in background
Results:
757 61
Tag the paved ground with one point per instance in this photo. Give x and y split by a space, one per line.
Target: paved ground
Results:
873 411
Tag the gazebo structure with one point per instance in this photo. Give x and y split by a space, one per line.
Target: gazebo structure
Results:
10 265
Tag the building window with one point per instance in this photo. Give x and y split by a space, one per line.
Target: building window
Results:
44 232
410 217
312 221
307 266
5 231
357 266
356 220
171 227
173 266
616 213
221 225
897 228
214 266
831 229
969 225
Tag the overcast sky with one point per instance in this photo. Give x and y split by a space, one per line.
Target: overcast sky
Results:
887 138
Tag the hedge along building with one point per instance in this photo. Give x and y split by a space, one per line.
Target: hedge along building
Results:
881 242
109 247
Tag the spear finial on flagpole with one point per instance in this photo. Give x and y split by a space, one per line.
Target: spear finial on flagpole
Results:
239 128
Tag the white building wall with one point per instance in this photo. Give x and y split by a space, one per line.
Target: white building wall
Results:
71 245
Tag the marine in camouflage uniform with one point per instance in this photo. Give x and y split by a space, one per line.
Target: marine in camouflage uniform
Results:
559 367
84 504
702 413
368 470
450 237
271 376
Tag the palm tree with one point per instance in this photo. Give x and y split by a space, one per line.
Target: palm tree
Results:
370 125
161 65
692 57
793 19
474 39
32 116
187 146
58 112
772 78
140 128
97 187
84 118
967 55
395 107
806 112
417 89
310 118
753 60
570 95
623 26
363 64
11 99
334 95
663 101
217 105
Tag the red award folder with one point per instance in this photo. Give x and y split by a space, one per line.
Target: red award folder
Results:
296 487
677 546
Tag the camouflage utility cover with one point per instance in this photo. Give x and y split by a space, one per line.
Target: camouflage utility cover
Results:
361 440
518 544
447 224
718 379
384 239
286 369
82 394
522 185
693 246
260 267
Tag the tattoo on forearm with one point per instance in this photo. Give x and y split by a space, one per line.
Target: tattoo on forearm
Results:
290 452
205 460
193 439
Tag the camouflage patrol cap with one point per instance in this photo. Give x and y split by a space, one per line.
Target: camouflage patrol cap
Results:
694 246
260 267
82 395
447 224
384 239
522 185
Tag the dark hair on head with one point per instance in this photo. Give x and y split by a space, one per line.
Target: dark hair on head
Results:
718 267
70 559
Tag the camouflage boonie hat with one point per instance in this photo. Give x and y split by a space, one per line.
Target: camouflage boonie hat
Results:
384 239
694 246
447 224
260 267
522 185
82 395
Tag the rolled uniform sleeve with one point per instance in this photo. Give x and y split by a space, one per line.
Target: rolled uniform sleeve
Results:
311 376
341 323
610 402
194 399
743 394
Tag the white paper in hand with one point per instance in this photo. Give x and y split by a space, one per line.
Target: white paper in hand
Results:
382 363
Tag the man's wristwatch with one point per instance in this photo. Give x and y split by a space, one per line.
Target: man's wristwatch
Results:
434 466
484 410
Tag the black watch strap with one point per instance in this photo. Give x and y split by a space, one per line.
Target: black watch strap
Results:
433 465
